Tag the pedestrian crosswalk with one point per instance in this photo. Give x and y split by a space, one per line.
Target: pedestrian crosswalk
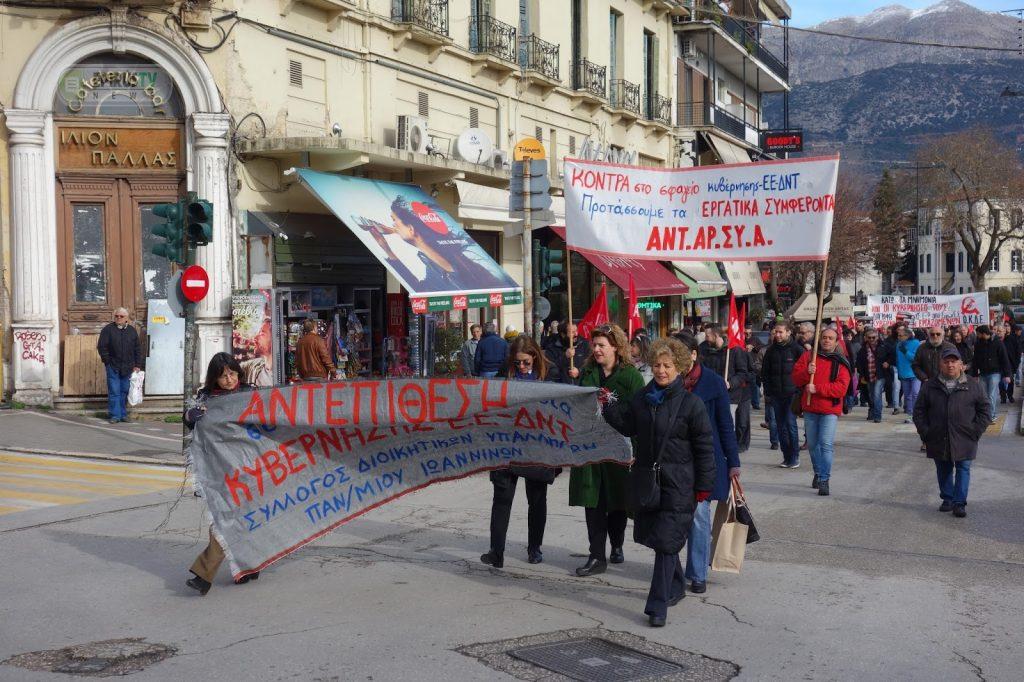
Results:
35 481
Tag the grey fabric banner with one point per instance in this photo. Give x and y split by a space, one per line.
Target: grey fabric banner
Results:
280 467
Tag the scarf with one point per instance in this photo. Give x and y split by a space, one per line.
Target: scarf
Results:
872 371
531 376
692 378
656 396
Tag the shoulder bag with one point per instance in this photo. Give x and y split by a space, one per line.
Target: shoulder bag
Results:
644 481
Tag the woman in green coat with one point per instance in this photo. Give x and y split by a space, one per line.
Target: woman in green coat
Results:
601 487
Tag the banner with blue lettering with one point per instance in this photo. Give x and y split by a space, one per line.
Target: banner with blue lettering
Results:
280 467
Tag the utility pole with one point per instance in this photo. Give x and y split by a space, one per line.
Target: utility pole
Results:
528 291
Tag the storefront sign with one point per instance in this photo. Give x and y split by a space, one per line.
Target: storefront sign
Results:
121 149
437 304
650 305
781 141
966 310
117 87
281 467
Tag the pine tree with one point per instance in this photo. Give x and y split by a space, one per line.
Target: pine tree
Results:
889 226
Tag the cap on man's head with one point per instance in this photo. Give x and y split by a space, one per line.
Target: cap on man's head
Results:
951 353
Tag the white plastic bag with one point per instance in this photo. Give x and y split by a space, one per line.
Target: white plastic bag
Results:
135 388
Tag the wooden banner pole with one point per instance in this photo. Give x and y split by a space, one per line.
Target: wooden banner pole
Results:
817 324
568 288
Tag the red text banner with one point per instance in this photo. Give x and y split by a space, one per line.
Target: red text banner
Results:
925 311
773 210
282 466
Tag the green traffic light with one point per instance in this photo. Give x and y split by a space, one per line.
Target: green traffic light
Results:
171 230
200 222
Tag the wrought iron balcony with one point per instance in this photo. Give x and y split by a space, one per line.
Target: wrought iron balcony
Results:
659 108
487 35
702 114
745 33
589 77
625 96
540 56
431 15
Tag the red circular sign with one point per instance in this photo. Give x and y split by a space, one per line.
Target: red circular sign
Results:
195 283
430 217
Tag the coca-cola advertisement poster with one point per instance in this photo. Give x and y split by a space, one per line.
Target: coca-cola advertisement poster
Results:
252 338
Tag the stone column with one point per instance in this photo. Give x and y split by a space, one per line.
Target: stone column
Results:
34 353
210 167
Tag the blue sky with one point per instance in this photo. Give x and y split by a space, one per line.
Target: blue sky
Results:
810 12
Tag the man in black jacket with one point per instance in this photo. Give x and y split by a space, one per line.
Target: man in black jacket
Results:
951 414
121 352
777 378
873 362
1011 341
990 364
713 353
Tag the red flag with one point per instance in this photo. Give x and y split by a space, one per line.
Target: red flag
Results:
735 330
635 321
596 316
1006 317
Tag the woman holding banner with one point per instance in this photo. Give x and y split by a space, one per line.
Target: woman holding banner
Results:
601 487
526 362
674 467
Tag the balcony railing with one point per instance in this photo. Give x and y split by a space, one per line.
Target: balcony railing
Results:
659 109
540 56
589 77
699 114
487 35
431 15
625 95
743 32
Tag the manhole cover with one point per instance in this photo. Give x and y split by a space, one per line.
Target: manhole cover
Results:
106 658
595 660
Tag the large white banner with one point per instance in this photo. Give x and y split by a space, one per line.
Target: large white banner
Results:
926 311
773 210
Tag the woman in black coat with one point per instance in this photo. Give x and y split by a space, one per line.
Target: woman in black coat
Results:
673 433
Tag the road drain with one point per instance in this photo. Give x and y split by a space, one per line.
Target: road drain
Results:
108 658
597 655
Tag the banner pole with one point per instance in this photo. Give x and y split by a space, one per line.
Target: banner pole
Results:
568 288
817 323
726 377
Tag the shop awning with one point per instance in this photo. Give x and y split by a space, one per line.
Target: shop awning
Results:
806 308
650 278
425 249
702 279
728 151
744 278
483 204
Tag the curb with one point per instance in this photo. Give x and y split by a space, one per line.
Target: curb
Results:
92 455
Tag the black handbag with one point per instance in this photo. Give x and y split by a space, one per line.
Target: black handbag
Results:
743 514
645 482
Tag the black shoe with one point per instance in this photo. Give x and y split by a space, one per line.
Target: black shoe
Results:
1010 398
814 481
698 588
895 410
113 420
946 506
878 421
676 599
492 558
775 446
616 557
592 567
823 488
199 585
657 621
1002 401
246 578
959 511
534 555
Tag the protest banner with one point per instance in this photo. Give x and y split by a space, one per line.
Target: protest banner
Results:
924 311
773 210
280 467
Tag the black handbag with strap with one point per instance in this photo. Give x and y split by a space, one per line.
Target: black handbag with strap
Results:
645 481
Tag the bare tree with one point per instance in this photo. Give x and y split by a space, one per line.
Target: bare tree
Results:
975 170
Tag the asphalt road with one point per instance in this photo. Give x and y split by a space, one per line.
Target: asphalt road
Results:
870 583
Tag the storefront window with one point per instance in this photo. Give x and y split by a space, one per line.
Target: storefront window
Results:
156 270
89 253
117 85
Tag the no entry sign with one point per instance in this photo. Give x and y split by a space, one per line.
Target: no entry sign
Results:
195 283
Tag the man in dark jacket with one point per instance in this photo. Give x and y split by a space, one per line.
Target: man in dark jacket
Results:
121 353
926 360
558 355
873 362
713 353
1012 344
777 378
951 414
756 350
990 364
491 353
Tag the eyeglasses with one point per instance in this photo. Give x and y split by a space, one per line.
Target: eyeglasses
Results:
523 362
935 336
120 316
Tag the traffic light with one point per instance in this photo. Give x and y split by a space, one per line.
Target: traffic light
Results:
199 217
171 230
552 264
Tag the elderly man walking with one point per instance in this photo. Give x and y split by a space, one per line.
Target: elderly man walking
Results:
121 352
467 356
951 414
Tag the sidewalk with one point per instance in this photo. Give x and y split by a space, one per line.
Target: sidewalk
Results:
40 432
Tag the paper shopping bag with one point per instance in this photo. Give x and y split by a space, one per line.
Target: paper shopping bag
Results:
728 538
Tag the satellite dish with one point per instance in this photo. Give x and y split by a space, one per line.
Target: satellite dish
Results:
474 146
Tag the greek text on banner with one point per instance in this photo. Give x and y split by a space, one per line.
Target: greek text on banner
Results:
773 210
924 311
280 467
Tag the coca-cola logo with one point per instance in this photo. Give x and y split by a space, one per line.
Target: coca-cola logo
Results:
459 302
495 300
430 217
419 305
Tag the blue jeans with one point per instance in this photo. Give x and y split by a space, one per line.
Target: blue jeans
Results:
117 394
773 424
789 434
953 488
488 375
877 399
911 387
755 396
991 384
698 545
821 436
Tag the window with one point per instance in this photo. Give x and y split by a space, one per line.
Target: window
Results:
994 267
295 73
1015 260
90 256
474 117
538 132
960 261
920 266
950 262
577 31
423 102
524 32
928 262
615 45
572 144
995 219
650 70
961 290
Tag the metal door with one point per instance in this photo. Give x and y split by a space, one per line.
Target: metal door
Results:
165 361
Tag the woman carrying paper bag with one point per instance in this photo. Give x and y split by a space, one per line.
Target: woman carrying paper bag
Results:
674 467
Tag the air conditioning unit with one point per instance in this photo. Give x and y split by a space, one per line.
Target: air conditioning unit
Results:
499 159
412 134
689 49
